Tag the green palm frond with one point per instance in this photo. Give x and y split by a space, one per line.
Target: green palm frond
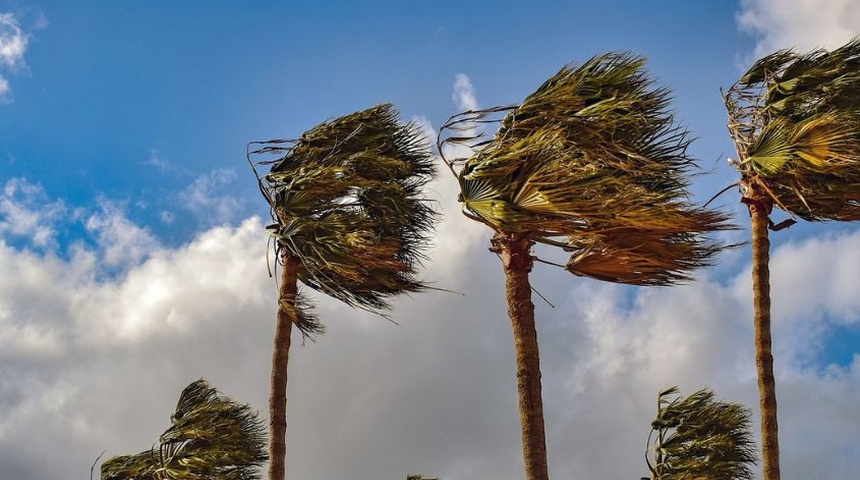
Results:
346 200
594 149
212 437
699 437
795 120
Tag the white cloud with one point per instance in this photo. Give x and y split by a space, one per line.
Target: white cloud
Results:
209 196
799 24
120 241
25 212
89 362
13 46
464 93
13 42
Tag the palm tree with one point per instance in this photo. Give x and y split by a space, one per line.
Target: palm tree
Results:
592 163
795 123
349 222
698 437
211 437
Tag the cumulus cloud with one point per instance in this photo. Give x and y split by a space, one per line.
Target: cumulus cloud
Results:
89 362
799 24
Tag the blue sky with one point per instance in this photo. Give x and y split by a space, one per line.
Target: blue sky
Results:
132 240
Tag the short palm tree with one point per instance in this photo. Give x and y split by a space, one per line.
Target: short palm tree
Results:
350 222
211 437
795 123
593 163
698 437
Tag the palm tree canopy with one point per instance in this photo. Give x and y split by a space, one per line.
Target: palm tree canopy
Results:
700 437
795 121
346 201
593 162
211 437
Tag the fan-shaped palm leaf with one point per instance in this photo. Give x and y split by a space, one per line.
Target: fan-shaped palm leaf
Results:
211 438
594 163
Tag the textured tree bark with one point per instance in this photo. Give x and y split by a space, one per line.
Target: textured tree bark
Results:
280 359
760 206
514 250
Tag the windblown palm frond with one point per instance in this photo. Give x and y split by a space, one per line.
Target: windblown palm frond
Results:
346 201
594 162
211 438
700 437
795 120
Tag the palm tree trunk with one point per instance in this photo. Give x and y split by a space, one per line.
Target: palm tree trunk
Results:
287 314
517 261
759 206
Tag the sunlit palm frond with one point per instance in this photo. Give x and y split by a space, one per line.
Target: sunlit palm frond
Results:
699 437
212 437
641 257
795 120
346 199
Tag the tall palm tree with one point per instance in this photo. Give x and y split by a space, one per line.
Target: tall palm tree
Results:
350 222
795 122
698 437
211 437
592 163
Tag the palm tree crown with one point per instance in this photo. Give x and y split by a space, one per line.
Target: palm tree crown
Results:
593 162
700 437
795 121
345 197
211 437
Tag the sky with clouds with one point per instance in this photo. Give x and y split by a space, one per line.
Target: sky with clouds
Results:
134 255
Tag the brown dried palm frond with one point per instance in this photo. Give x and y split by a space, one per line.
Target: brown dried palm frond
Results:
594 150
346 201
698 437
211 437
795 121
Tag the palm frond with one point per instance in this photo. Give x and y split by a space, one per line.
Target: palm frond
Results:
346 200
211 437
700 437
594 149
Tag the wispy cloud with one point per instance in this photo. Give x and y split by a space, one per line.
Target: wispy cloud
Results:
13 45
27 213
210 197
464 93
120 241
799 24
